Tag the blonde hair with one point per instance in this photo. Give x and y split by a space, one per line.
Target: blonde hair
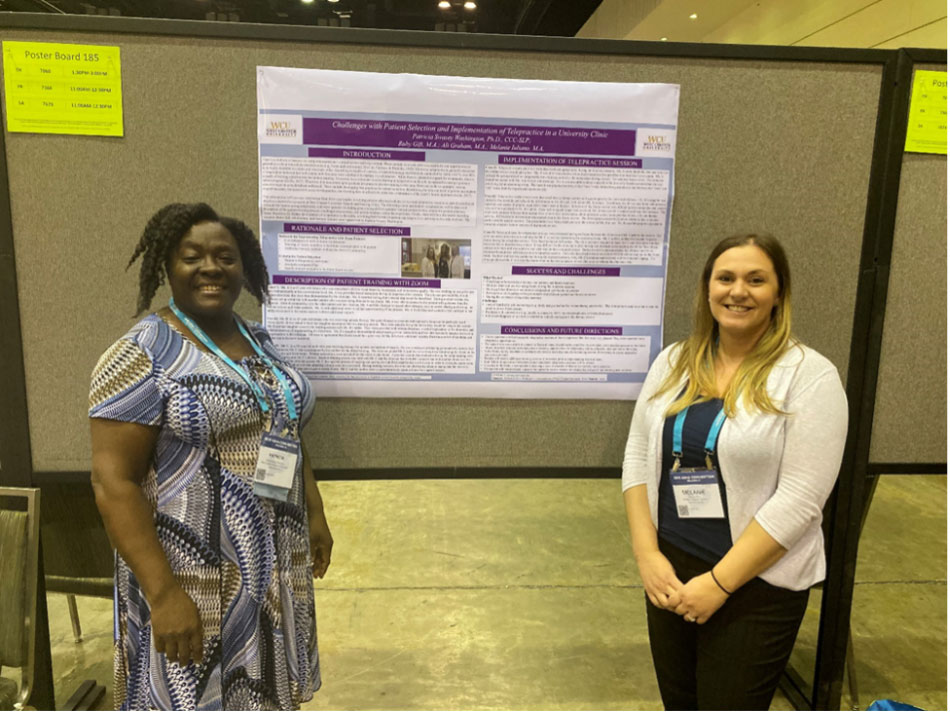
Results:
697 356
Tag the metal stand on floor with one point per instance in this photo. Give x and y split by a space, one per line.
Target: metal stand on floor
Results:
870 485
852 675
42 697
74 617
86 697
791 684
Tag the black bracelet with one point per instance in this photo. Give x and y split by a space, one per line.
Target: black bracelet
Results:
711 573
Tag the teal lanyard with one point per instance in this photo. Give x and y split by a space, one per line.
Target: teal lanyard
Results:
255 388
710 438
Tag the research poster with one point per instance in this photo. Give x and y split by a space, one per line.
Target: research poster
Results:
432 236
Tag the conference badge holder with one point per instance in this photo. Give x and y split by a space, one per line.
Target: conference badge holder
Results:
696 490
276 466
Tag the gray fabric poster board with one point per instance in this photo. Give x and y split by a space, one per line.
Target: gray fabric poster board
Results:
780 146
910 411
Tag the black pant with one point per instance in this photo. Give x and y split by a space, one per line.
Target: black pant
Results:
735 659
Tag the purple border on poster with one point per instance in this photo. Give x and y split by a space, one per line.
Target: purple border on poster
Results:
375 154
349 281
454 136
559 330
298 227
564 271
572 161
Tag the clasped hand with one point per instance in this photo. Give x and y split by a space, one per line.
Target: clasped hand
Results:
696 600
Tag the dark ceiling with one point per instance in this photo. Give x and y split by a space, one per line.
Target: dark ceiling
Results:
561 18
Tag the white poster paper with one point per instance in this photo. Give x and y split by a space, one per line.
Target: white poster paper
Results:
465 237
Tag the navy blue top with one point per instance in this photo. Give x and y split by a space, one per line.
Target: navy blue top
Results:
707 539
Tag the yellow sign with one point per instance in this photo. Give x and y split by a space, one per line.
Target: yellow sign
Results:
927 122
63 89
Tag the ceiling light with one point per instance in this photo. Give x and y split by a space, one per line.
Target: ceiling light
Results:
693 16
662 39
445 4
306 2
469 5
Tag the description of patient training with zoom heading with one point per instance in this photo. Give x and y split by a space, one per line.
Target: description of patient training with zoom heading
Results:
434 236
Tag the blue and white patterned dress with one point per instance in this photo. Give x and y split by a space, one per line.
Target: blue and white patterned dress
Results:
243 559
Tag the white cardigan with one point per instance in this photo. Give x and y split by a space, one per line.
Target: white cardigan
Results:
777 469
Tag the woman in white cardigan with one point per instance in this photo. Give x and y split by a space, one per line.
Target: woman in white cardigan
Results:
734 447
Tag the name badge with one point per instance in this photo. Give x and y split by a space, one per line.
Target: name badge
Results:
276 466
696 492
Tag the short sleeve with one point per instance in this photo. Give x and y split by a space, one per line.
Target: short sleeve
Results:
124 386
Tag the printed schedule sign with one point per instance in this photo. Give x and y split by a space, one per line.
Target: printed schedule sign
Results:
927 119
436 236
63 89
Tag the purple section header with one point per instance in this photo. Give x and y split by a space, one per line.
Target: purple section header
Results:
555 330
563 271
360 282
454 136
570 161
377 154
339 228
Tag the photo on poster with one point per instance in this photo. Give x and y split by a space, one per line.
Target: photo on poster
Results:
436 258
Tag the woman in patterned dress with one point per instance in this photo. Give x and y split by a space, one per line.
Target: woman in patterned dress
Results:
214 603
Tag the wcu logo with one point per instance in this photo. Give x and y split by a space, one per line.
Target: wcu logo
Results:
657 142
281 128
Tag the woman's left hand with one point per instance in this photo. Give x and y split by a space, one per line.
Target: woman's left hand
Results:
698 599
321 543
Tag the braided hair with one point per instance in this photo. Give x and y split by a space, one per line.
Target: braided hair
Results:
168 226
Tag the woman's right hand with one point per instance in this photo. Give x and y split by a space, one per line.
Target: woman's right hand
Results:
121 455
659 579
176 626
